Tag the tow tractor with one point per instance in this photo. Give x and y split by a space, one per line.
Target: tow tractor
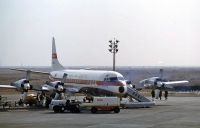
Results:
62 105
94 105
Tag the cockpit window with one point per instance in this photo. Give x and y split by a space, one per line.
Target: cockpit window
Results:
158 79
114 78
120 78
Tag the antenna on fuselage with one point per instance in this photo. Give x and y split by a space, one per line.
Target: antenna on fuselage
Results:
64 78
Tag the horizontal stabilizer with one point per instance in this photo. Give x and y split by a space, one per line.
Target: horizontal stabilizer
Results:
32 71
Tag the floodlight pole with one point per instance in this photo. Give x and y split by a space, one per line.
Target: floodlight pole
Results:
113 61
113 49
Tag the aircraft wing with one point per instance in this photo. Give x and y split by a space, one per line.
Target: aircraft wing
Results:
42 88
176 82
46 88
7 86
72 90
32 71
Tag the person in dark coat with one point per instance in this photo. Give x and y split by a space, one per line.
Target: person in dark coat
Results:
160 95
153 94
166 95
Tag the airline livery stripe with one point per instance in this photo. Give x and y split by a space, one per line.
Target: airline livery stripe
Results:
116 83
93 82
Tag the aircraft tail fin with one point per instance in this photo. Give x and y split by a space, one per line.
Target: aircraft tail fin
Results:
55 64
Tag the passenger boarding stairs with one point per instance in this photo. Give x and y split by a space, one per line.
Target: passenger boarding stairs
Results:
132 92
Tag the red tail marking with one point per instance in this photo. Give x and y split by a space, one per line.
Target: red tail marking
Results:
54 56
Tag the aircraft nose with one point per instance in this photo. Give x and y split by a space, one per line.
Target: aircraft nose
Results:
123 87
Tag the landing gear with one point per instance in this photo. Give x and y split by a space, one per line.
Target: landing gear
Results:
94 110
56 109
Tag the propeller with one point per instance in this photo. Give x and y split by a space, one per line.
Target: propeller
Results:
23 85
58 86
26 85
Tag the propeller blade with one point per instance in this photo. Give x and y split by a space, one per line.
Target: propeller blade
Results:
59 96
64 78
28 72
25 94
161 73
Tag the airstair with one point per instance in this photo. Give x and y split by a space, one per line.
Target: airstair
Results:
143 102
132 92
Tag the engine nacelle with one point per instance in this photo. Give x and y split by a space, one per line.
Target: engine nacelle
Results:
54 84
22 84
57 85
160 85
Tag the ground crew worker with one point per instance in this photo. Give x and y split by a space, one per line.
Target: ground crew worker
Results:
153 94
166 95
160 95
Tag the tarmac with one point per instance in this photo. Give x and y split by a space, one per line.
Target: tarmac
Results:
176 112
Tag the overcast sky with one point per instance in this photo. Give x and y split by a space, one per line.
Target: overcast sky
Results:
151 32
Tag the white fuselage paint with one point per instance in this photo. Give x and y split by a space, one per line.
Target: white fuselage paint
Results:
107 80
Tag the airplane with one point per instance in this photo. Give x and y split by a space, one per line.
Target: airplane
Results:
96 82
159 84
23 85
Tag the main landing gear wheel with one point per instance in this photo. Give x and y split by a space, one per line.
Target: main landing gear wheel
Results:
56 109
94 110
62 109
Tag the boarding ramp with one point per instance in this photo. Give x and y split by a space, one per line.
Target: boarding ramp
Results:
143 102
132 92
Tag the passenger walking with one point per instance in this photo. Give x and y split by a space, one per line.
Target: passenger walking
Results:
153 94
160 95
166 95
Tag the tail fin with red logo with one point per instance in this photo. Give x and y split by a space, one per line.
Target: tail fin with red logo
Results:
55 64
